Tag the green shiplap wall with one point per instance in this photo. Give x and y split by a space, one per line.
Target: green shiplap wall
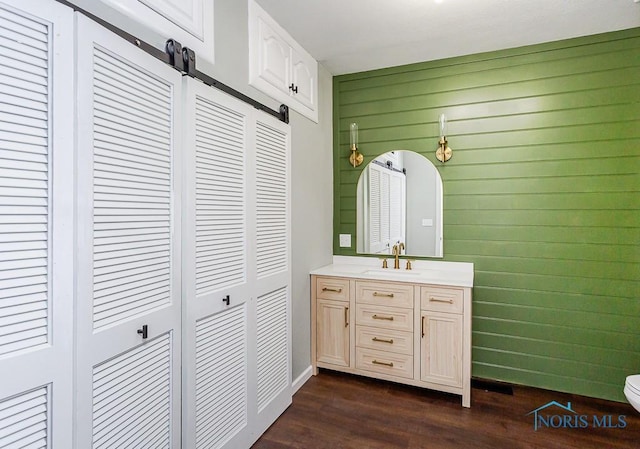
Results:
542 195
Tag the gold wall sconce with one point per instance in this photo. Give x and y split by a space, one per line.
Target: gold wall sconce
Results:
443 153
355 158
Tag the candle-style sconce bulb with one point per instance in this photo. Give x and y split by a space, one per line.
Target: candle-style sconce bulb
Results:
443 153
353 134
355 158
443 125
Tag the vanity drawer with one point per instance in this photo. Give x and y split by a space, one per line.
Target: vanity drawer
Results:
335 289
384 317
439 299
384 294
399 365
399 342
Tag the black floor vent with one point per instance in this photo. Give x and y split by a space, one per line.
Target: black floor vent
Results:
491 385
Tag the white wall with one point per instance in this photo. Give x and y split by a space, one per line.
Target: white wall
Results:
311 143
312 212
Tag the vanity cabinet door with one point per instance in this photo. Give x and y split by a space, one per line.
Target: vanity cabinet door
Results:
333 332
441 348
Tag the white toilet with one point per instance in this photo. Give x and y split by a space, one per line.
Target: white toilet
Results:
632 391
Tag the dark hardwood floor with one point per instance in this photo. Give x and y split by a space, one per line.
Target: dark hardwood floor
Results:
334 410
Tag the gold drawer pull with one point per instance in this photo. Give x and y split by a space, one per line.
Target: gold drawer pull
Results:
378 317
335 290
448 301
346 317
389 364
382 340
386 295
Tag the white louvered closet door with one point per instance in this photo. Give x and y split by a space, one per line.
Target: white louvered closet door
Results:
36 225
273 270
236 245
216 261
128 277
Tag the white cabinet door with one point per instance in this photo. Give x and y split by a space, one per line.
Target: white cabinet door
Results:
188 15
274 58
304 77
128 248
36 224
189 22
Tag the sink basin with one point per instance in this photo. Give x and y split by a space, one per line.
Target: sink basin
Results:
393 272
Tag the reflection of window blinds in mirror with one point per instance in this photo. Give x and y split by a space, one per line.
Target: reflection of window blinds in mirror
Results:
374 210
386 208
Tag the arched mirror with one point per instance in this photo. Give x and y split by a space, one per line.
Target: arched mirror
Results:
399 199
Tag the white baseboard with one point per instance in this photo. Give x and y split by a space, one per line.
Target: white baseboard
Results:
301 379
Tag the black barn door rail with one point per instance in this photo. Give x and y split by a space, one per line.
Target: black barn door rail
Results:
183 59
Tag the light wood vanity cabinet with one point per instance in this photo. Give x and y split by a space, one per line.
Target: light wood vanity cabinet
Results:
333 322
404 332
441 335
384 328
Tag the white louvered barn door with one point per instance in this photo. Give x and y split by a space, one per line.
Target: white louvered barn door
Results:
128 277
215 265
273 270
36 225
236 245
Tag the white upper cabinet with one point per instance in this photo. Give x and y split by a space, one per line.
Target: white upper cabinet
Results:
279 66
189 22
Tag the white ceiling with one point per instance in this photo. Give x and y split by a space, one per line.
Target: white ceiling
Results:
349 36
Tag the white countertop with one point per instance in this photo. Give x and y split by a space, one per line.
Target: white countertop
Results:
457 274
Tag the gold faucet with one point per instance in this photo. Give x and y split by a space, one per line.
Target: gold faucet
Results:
397 249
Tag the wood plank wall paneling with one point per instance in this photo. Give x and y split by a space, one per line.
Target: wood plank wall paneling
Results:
542 194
